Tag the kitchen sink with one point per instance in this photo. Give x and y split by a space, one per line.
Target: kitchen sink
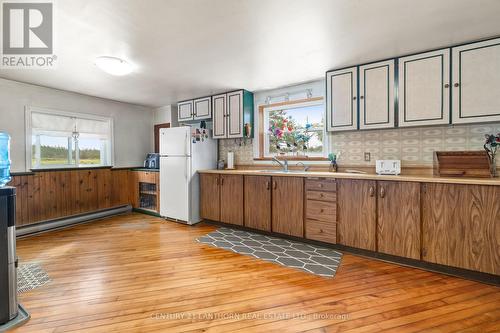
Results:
281 171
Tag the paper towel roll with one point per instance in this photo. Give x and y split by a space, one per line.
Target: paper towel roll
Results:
230 160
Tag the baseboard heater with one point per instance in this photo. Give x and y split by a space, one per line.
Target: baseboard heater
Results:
69 221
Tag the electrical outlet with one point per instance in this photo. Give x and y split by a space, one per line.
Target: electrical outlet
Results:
367 157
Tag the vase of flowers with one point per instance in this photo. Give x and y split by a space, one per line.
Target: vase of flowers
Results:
491 146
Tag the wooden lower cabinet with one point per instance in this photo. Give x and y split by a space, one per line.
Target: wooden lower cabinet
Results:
257 205
398 220
209 197
288 205
461 226
357 213
231 199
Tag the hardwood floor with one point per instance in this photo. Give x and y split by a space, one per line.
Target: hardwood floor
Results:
137 273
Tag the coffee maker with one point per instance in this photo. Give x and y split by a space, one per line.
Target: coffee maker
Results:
152 161
8 260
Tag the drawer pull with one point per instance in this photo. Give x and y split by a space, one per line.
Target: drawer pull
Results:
321 210
372 191
321 195
268 185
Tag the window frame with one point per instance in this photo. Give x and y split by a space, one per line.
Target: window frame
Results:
263 139
29 142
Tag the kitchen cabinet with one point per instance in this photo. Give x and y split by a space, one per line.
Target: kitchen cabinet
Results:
476 82
145 190
231 199
376 95
398 220
233 115
257 204
185 110
461 226
424 89
202 108
288 206
209 197
321 209
341 99
357 214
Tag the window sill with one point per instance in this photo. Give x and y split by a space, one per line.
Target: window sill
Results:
292 158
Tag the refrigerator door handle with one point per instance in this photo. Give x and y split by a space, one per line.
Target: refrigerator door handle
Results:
186 145
186 170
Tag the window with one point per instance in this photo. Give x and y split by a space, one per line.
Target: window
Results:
61 139
294 129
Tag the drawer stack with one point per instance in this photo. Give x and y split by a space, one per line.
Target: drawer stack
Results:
321 209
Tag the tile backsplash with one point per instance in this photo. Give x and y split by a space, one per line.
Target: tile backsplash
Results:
414 146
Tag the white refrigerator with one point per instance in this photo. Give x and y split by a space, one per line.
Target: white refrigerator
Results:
180 159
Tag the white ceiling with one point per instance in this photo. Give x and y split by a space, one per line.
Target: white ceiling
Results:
190 48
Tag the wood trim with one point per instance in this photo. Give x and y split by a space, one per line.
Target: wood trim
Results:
157 135
292 158
261 121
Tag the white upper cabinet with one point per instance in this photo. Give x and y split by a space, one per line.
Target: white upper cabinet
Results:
376 95
219 119
476 82
424 89
202 108
185 110
341 99
235 114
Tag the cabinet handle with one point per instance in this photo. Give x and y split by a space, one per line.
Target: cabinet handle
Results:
275 185
361 97
371 191
217 180
382 192
447 85
456 84
321 210
268 185
222 180
354 98
321 195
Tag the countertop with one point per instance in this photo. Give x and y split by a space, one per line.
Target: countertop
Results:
405 178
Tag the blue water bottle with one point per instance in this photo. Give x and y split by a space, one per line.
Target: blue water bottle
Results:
4 159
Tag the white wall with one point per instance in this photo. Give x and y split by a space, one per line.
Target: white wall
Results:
163 114
133 125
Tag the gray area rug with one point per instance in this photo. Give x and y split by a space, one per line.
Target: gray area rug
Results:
31 276
310 258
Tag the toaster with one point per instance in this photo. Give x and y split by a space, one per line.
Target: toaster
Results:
388 167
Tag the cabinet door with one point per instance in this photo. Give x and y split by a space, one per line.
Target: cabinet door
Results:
231 199
185 110
357 217
476 82
424 89
398 227
341 99
288 206
235 114
209 197
461 226
219 118
376 95
258 202
202 108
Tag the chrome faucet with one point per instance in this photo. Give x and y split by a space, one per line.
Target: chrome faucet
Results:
306 167
283 164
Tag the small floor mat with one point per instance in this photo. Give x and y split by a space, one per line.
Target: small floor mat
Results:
31 276
20 319
310 258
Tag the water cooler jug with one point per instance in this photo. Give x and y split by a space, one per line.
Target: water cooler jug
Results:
8 259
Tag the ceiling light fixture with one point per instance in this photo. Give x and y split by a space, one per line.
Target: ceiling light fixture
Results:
113 65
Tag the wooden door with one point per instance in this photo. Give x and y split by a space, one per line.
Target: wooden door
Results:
231 199
461 226
476 82
341 99
219 116
202 108
185 110
209 197
288 206
398 224
257 202
424 89
357 214
235 114
376 95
